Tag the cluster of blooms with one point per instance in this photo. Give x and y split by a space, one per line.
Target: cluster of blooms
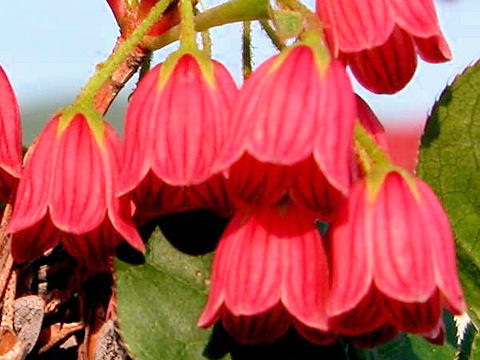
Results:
278 154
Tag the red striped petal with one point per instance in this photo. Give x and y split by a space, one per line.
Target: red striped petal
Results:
305 269
253 182
260 329
34 241
356 25
10 129
211 195
368 315
78 196
334 142
35 185
314 335
442 246
417 17
374 338
94 249
255 271
139 132
404 266
225 254
244 114
388 68
119 209
286 116
415 317
310 189
190 124
351 255
433 49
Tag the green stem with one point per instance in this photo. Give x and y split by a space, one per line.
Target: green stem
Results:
247 49
365 143
207 43
311 18
272 34
188 39
106 69
232 11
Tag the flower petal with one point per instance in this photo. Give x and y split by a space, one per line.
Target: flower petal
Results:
388 68
433 49
442 246
260 329
356 25
305 268
334 143
253 182
286 117
351 254
254 275
78 196
10 129
139 132
35 185
404 265
119 208
34 241
190 125
417 17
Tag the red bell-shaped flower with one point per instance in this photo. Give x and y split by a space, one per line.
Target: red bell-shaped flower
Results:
296 107
10 139
270 272
67 193
393 259
176 129
380 39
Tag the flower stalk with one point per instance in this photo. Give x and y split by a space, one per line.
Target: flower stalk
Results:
247 49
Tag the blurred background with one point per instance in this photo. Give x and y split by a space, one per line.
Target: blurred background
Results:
50 48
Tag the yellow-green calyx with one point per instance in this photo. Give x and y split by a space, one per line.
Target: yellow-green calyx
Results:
94 120
376 178
201 57
314 41
188 47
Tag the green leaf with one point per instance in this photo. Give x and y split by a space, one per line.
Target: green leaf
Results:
159 303
450 163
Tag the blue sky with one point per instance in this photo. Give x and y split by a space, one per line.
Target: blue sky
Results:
49 49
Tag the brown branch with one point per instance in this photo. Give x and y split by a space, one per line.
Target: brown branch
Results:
124 72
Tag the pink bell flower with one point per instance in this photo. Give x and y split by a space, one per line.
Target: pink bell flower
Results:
67 193
380 39
393 259
270 273
296 107
175 130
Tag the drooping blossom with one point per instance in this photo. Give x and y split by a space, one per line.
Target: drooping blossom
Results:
10 139
380 39
270 273
175 131
67 193
297 109
393 259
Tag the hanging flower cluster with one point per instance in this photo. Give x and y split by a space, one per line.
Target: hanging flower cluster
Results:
294 146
